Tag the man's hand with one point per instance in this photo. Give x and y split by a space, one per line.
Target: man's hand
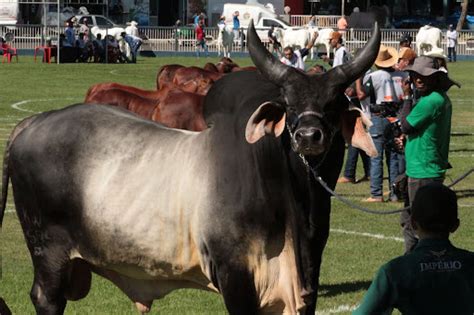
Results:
400 142
406 86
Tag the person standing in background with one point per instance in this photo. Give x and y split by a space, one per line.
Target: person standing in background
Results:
70 35
342 24
452 41
427 125
84 29
236 26
341 55
201 39
381 85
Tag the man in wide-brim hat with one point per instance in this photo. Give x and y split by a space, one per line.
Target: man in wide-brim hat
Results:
380 84
387 57
427 125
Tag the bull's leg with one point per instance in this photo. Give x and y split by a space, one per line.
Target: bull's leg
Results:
47 292
237 287
49 248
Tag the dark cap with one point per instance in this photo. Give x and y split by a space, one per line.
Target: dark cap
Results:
435 208
406 38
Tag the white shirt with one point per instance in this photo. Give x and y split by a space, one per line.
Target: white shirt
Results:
340 56
295 62
452 37
383 86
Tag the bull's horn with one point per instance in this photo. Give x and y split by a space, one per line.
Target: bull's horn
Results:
270 67
349 72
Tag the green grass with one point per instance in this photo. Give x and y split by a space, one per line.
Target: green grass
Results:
350 260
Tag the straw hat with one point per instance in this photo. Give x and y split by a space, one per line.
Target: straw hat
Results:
407 53
427 66
387 57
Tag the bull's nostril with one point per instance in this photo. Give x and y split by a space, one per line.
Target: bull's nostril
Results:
298 137
317 135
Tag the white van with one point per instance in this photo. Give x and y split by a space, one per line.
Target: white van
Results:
263 16
9 12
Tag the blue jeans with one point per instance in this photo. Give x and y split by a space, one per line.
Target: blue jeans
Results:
376 163
203 45
351 162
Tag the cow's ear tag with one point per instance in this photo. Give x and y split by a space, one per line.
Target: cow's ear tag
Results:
355 130
268 119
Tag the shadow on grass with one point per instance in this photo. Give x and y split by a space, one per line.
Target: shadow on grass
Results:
328 290
465 193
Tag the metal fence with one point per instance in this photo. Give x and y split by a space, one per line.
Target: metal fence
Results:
171 39
321 20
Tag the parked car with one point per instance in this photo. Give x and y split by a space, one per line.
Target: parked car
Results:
95 20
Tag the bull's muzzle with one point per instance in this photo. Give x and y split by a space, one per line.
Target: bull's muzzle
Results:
309 141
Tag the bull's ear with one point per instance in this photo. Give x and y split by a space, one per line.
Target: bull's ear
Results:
268 119
355 130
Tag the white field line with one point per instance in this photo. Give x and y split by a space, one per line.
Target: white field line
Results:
456 154
378 236
18 105
10 118
339 309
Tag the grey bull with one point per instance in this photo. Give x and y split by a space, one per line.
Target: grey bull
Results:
231 209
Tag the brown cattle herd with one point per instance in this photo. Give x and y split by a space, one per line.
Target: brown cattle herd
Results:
176 103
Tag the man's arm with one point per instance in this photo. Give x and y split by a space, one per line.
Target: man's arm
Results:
311 42
377 300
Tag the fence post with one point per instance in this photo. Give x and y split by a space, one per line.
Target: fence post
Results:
176 35
241 33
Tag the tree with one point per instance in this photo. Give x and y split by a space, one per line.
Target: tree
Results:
463 15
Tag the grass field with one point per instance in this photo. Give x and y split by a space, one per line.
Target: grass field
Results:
359 243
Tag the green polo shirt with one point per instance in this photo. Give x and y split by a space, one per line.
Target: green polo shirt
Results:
435 278
427 149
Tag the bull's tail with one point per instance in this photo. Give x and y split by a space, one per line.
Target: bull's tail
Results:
6 156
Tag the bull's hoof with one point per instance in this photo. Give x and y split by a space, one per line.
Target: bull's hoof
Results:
143 307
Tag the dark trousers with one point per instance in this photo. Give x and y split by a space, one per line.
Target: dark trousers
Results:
452 54
351 162
408 233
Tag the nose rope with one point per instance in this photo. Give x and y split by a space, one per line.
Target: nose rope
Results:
310 113
325 185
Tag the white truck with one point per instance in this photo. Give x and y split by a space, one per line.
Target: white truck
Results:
263 16
9 11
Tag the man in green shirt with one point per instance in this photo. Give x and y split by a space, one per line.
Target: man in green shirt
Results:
428 127
436 277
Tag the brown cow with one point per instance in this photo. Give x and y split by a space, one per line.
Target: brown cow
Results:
191 79
175 108
226 65
100 87
166 74
182 110
203 78
210 67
